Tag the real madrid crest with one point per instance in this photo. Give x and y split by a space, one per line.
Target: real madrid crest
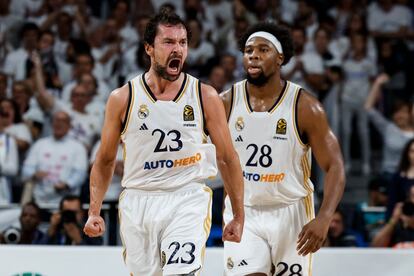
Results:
281 126
239 124
143 111
163 258
230 263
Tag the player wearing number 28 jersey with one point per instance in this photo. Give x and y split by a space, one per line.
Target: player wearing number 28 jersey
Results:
274 125
162 118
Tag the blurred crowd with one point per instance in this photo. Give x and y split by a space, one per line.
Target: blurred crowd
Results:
60 59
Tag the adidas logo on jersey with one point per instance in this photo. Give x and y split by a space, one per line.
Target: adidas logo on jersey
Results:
143 127
243 263
239 139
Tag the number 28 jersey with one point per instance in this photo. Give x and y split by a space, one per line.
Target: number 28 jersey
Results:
164 142
275 161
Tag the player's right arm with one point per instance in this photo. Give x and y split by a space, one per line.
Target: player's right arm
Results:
227 160
103 167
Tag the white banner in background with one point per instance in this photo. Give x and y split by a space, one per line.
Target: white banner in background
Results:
107 261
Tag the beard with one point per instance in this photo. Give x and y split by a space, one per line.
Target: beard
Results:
162 72
261 80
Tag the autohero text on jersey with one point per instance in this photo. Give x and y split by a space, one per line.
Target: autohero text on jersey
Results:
159 164
270 177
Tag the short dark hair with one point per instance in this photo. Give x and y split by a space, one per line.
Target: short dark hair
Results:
27 27
164 17
281 33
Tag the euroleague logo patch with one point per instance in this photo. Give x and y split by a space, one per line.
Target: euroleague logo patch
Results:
281 126
188 113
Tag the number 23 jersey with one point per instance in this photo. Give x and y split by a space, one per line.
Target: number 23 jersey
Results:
164 142
275 161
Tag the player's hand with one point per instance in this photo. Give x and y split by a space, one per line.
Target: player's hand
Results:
312 236
95 226
233 230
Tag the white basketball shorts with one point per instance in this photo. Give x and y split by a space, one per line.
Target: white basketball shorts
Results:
165 233
269 241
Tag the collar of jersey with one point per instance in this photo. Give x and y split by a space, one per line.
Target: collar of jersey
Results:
274 106
151 95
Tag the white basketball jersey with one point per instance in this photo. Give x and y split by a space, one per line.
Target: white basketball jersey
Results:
275 162
164 142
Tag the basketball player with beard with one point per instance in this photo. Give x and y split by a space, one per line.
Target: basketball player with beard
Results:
163 117
274 124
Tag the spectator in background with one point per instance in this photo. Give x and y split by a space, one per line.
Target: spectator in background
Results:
109 54
127 33
9 24
29 232
30 219
47 56
217 78
66 225
370 215
85 125
134 59
393 60
57 164
9 160
85 63
63 24
15 126
139 64
356 24
306 17
403 180
66 66
228 63
22 94
16 61
359 71
338 236
399 231
304 68
342 12
395 132
200 50
386 19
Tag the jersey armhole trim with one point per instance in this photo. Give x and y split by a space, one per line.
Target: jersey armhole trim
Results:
232 99
200 97
301 138
129 107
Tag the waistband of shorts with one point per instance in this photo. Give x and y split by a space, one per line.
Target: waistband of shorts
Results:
190 187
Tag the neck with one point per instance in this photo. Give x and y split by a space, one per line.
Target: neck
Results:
158 84
275 83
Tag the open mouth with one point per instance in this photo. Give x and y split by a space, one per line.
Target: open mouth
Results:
254 70
174 65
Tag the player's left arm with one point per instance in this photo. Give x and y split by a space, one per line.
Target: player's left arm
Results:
313 124
227 160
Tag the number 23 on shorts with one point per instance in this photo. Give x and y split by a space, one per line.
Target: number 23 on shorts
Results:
179 254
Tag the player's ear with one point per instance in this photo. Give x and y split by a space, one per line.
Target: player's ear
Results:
280 59
149 49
